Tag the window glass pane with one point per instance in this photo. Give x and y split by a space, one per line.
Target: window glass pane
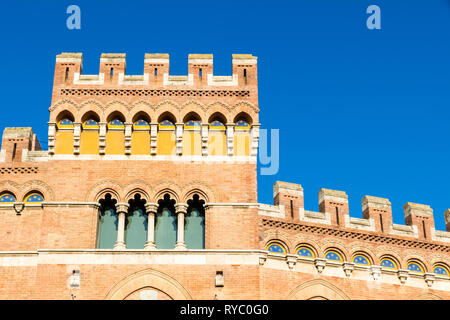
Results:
136 229
165 229
107 231
194 230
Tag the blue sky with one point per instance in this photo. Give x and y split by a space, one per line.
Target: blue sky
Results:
364 111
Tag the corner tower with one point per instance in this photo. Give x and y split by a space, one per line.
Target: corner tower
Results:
181 135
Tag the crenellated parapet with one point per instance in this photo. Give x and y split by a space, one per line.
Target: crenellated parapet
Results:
334 213
117 115
156 80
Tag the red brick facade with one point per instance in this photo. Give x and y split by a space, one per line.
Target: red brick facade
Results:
48 248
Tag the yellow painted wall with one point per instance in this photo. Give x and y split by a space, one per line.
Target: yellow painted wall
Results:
241 143
64 142
115 142
192 143
166 144
217 143
89 142
140 142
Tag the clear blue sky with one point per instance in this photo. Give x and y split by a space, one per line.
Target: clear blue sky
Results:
364 111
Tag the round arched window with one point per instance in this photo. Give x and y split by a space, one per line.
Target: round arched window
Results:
414 267
361 260
276 247
7 197
388 263
441 271
306 252
333 255
34 197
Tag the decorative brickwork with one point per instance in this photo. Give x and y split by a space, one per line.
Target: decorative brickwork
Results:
72 217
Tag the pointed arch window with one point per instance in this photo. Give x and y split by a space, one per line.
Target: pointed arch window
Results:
166 224
64 133
194 226
136 224
107 223
90 124
116 124
89 143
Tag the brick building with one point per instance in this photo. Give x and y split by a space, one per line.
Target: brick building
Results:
148 190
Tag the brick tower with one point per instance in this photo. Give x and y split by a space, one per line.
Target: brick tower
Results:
148 190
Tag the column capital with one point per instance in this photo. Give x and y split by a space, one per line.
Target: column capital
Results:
151 208
181 208
122 207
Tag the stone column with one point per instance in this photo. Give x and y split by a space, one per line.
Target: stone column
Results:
179 138
51 137
153 138
128 130
151 210
102 137
121 210
205 127
230 139
181 210
76 137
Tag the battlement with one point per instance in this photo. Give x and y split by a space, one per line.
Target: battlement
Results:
15 141
334 212
68 73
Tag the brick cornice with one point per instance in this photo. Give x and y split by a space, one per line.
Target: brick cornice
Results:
354 234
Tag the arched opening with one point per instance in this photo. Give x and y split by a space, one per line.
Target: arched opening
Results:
140 137
194 226
242 126
7 197
33 197
192 138
164 285
166 224
107 223
362 259
64 133
415 266
217 140
89 143
115 135
136 223
389 262
166 143
317 289
276 247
